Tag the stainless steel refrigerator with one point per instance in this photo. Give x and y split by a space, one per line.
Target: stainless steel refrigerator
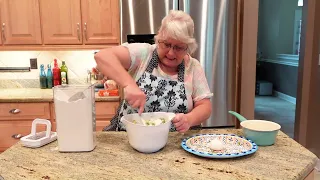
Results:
214 31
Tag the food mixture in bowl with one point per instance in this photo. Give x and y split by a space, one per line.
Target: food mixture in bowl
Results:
151 122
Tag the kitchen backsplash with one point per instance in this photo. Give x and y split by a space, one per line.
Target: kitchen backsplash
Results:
78 63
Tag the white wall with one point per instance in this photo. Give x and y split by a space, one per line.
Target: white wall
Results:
77 61
276 27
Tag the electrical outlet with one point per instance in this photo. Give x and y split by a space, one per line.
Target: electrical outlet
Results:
33 63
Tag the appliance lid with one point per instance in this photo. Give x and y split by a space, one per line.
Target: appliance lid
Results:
140 38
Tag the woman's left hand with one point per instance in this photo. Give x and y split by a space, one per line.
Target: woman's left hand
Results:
181 122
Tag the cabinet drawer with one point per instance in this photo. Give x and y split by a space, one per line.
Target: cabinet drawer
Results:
27 111
106 110
101 124
9 129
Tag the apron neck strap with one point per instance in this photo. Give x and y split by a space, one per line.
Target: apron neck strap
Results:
154 62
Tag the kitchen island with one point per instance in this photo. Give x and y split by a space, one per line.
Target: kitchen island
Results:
114 158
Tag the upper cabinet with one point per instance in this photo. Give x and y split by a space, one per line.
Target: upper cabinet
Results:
61 21
100 19
46 24
20 22
80 21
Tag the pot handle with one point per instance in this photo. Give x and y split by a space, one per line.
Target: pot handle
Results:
238 116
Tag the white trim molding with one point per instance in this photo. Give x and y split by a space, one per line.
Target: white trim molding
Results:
293 57
284 59
284 97
283 62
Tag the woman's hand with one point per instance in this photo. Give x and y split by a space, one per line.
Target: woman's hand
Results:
181 122
135 97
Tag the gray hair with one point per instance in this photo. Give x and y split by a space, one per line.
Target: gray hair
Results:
178 25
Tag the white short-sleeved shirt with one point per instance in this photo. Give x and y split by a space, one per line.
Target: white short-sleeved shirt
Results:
196 84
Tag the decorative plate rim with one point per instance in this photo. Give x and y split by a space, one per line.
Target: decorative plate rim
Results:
220 155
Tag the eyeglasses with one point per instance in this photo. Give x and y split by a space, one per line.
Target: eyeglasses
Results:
176 49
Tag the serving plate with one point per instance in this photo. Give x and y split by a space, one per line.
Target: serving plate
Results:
233 145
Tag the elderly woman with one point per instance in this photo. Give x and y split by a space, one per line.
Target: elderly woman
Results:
160 77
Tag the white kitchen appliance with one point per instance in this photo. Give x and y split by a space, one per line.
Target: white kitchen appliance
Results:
75 117
35 140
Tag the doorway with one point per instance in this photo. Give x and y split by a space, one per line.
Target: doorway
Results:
279 31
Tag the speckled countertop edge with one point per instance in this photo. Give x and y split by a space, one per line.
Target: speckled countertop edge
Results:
114 158
39 95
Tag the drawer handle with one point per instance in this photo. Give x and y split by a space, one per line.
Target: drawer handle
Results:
14 111
78 31
3 32
85 31
16 136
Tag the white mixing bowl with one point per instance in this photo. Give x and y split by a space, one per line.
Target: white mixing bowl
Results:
147 139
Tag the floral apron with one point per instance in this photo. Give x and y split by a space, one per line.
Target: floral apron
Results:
162 95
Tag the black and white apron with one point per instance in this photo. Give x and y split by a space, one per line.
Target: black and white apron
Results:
162 95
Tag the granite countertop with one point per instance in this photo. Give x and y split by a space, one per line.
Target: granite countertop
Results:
114 158
37 95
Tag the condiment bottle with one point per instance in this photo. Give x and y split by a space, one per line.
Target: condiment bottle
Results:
56 74
43 78
64 73
49 77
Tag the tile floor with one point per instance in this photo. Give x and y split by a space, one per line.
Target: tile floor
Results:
279 111
276 110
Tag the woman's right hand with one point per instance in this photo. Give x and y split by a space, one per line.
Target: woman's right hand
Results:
135 97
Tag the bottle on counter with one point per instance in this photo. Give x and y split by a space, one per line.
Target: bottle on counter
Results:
43 78
49 77
64 73
56 74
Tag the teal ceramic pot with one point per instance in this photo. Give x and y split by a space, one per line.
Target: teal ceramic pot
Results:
261 138
261 132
